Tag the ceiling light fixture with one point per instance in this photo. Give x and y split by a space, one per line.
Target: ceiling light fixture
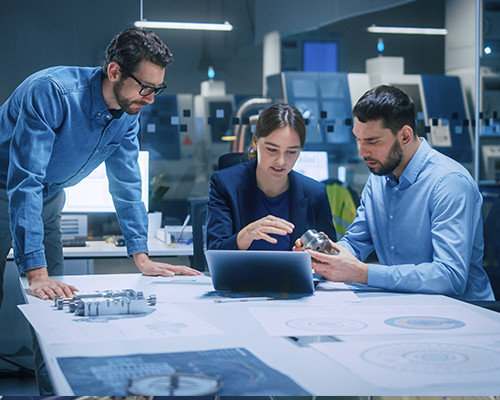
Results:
407 30
201 26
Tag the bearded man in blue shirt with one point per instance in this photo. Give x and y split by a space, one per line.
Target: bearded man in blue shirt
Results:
420 211
55 129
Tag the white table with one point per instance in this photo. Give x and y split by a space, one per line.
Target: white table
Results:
306 366
101 249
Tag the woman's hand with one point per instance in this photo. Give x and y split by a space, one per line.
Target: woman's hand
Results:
261 229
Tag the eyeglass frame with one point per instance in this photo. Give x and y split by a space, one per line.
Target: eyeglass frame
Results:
156 90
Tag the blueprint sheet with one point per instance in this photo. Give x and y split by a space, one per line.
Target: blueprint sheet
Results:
241 373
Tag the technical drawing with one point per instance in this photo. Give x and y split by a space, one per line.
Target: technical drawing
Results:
424 322
433 358
330 324
175 384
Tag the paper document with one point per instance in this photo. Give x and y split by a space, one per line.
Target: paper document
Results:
357 319
465 362
61 326
240 373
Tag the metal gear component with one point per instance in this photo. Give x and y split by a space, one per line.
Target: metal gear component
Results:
107 302
316 241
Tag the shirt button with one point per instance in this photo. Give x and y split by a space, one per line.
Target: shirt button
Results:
108 116
391 217
99 114
396 189
392 247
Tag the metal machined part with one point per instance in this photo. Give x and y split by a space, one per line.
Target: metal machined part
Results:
108 302
312 240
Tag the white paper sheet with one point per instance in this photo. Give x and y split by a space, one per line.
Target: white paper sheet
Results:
181 289
358 319
189 289
61 326
464 361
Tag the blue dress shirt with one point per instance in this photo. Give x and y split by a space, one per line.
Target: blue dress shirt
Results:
426 229
55 129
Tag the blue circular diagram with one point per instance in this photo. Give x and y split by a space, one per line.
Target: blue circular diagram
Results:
425 323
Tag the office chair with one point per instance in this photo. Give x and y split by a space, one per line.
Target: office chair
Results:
230 159
199 215
491 259
198 221
491 232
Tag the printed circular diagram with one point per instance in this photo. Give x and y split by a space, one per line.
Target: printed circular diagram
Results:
185 385
328 324
433 358
424 323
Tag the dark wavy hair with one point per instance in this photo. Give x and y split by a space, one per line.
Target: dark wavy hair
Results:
389 104
131 46
277 116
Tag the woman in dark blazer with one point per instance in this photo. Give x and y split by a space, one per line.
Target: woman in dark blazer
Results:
263 204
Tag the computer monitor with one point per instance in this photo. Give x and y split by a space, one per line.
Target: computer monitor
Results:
319 56
313 164
92 193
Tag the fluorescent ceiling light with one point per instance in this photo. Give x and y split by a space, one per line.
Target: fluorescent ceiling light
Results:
407 30
226 26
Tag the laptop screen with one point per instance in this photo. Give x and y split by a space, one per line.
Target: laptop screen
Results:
260 271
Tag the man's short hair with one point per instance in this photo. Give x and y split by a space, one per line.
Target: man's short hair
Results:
389 104
131 46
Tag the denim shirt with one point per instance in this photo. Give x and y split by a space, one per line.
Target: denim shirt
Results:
426 229
55 129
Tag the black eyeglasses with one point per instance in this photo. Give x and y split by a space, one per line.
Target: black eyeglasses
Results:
147 90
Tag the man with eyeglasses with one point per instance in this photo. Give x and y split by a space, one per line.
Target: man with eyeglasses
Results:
55 129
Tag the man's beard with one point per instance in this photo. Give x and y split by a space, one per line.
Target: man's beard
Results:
393 161
124 103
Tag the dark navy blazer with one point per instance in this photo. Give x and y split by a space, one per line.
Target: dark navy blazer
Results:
231 205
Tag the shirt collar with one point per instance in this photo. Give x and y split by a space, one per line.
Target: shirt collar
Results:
410 173
116 114
98 103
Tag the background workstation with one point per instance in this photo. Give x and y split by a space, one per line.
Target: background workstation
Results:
271 54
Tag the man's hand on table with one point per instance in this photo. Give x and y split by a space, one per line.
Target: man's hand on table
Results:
42 286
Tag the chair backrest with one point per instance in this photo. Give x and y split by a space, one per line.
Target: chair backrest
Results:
198 221
491 259
230 159
491 233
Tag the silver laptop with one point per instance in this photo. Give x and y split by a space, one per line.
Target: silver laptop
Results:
250 271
